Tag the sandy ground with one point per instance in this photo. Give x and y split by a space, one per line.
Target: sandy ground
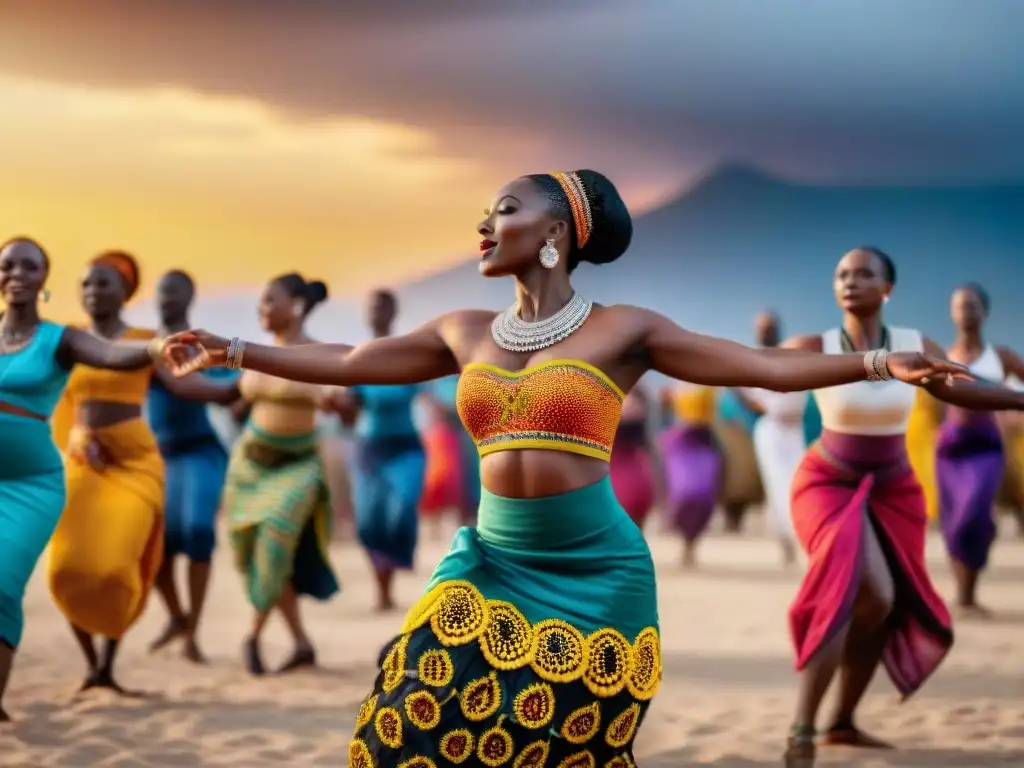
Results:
726 699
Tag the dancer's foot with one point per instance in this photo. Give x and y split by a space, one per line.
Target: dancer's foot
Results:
104 679
385 605
4 717
973 611
800 750
689 557
303 657
177 626
251 656
190 652
788 554
851 736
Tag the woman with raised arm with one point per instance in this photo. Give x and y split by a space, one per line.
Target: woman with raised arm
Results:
970 458
108 546
537 641
276 493
36 359
859 513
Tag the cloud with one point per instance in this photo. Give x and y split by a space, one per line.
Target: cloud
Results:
651 90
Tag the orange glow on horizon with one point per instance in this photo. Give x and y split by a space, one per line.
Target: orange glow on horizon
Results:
231 190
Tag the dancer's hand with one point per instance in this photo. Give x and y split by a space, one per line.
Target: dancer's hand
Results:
919 368
189 351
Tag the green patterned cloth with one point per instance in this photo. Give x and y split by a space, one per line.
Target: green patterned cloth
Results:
278 516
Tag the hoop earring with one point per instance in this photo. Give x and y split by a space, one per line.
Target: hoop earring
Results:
45 294
549 255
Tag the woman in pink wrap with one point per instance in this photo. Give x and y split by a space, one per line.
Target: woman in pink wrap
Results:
631 465
859 514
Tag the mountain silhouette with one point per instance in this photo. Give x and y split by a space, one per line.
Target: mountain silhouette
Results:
740 240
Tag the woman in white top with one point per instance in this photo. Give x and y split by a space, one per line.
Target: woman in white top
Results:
779 442
779 445
970 460
859 514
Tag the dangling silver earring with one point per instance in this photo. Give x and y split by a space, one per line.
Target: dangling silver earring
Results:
46 294
297 309
549 255
885 300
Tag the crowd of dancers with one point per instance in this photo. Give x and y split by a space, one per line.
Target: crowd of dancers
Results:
537 641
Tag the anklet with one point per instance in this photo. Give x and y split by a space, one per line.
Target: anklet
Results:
803 732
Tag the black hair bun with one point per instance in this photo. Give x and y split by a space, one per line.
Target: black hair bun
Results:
316 293
612 224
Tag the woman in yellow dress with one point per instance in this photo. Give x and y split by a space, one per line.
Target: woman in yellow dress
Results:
922 434
108 545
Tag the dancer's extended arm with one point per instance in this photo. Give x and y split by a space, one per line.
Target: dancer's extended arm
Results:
682 354
421 355
973 395
78 346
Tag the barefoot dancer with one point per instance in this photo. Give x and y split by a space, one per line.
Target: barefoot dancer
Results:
970 460
859 514
275 496
387 477
194 466
692 463
632 462
107 547
36 357
537 642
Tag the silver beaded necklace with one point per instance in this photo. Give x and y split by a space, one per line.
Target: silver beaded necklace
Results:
512 333
14 341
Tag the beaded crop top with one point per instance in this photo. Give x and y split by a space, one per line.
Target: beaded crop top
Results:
129 387
557 405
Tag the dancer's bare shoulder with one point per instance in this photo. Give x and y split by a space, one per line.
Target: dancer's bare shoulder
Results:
464 328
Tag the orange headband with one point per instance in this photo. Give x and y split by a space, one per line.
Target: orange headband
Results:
577 196
125 266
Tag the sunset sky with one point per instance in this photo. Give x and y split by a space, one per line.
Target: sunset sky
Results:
241 139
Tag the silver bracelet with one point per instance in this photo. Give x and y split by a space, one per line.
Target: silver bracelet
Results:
876 365
881 365
235 351
869 365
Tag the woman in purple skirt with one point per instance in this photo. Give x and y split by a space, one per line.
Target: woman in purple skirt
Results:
692 462
969 457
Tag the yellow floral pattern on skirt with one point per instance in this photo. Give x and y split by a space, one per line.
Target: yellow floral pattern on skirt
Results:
472 681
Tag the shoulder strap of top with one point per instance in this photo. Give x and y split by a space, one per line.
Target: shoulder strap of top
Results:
831 344
51 335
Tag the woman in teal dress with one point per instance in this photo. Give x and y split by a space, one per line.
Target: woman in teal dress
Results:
388 468
537 642
36 357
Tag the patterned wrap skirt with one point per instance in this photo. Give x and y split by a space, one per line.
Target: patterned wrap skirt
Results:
536 644
279 518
